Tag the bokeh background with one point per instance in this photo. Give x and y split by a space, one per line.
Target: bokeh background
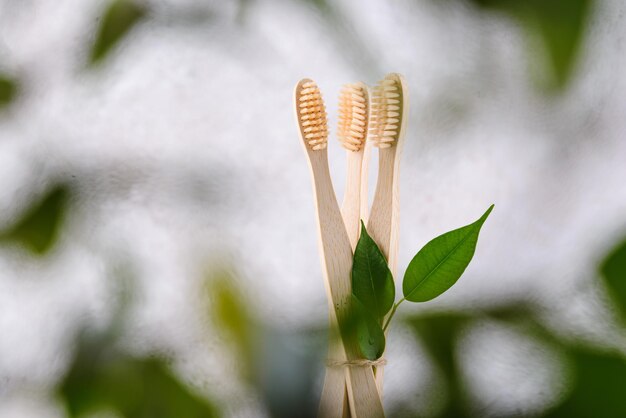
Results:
158 253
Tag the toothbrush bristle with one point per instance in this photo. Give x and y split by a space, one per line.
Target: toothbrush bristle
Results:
386 117
353 116
312 115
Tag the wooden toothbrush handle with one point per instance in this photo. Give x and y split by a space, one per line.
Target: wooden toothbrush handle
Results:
381 218
334 401
351 206
365 167
383 221
336 253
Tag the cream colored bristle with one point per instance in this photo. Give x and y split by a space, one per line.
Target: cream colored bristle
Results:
386 112
353 117
312 116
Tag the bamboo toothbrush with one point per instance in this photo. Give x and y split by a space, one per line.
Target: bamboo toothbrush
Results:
352 132
335 249
389 116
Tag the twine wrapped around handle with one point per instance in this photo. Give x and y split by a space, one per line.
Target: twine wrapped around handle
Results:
356 363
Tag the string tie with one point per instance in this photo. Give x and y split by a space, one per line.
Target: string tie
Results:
356 363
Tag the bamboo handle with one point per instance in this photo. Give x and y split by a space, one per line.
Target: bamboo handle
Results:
365 166
381 218
382 225
336 257
332 404
351 207
334 401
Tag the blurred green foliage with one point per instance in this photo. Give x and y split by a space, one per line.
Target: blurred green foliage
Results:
598 373
101 377
8 90
613 271
438 333
120 17
560 26
38 228
281 366
598 386
231 316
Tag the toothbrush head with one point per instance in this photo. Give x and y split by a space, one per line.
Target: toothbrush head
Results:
353 116
388 107
311 115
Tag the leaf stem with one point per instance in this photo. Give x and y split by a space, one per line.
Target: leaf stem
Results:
393 311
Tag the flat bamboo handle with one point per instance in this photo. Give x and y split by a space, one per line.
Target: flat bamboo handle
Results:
333 403
336 255
351 206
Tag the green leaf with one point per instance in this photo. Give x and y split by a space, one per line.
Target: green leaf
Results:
38 229
369 333
8 90
613 270
372 282
437 266
119 19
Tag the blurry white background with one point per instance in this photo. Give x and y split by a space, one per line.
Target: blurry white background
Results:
185 151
